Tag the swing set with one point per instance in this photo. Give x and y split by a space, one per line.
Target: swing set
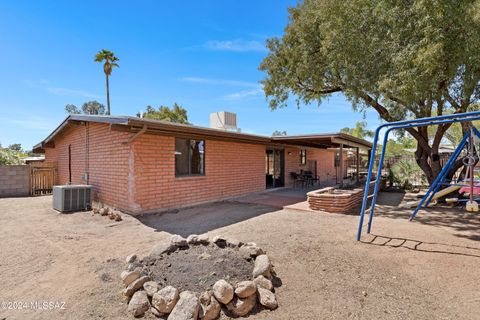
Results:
471 138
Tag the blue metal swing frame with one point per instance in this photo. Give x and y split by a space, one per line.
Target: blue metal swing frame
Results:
421 122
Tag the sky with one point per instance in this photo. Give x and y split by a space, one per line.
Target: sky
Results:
203 55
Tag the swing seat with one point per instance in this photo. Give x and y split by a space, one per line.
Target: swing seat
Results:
465 191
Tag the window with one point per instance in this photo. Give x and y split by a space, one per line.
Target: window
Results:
189 157
303 157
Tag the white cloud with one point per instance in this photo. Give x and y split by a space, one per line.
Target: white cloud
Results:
33 123
243 94
44 84
219 82
71 92
237 45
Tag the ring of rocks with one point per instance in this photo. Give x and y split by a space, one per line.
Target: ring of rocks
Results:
147 290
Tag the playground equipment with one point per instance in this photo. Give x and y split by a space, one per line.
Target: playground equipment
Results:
421 122
440 180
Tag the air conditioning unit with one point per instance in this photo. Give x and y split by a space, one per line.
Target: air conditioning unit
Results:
72 198
223 120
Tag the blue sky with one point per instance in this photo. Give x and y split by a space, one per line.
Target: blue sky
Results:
203 55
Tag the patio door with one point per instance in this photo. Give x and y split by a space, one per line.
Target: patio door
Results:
274 168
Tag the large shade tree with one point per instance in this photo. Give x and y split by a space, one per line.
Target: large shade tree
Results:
405 59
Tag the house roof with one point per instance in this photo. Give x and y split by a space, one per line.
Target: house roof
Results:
135 124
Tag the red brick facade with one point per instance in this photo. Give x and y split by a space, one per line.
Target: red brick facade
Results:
230 169
140 177
107 161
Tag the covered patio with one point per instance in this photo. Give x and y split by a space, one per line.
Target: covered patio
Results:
351 154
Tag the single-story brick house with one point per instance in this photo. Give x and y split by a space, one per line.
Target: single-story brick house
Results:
139 165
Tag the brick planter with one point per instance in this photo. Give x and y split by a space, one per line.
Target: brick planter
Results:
336 200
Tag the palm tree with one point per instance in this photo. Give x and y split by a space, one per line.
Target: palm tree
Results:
110 63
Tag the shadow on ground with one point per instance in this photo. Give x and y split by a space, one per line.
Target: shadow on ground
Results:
204 218
422 246
466 224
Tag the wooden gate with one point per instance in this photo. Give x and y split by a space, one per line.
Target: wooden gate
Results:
42 178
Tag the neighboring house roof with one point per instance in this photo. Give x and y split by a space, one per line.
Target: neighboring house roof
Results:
441 149
39 158
135 125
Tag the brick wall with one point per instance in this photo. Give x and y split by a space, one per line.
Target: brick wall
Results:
107 161
140 177
325 163
14 181
230 169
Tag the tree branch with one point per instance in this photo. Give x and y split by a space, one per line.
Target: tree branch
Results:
382 111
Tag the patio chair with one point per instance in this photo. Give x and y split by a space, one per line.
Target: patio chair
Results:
311 179
298 179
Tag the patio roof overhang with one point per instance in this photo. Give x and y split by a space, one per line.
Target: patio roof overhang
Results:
334 140
138 126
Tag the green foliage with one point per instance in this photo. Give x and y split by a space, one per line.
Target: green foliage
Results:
401 146
175 114
360 130
404 59
90 107
405 171
109 59
278 133
401 53
72 109
17 147
11 155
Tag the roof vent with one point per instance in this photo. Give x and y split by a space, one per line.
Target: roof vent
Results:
224 120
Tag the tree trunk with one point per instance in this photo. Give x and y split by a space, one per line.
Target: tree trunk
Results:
108 96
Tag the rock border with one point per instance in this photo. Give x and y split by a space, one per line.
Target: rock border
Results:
236 300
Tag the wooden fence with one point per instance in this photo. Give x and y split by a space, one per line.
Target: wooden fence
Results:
42 178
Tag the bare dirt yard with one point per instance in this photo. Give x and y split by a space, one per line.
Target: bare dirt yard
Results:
427 269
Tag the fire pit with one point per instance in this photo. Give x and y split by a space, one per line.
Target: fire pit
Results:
196 278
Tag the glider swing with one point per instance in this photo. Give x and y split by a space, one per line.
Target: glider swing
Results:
470 139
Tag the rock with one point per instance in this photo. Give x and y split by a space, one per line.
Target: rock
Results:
139 304
165 299
178 241
118 217
203 239
150 288
162 248
262 282
129 276
223 291
209 307
267 298
135 286
220 241
239 307
245 289
186 308
102 212
234 243
192 239
250 250
155 312
262 266
131 258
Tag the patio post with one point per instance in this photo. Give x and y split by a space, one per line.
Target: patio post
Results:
358 164
341 163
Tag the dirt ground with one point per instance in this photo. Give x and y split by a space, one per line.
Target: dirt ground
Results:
427 269
198 267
